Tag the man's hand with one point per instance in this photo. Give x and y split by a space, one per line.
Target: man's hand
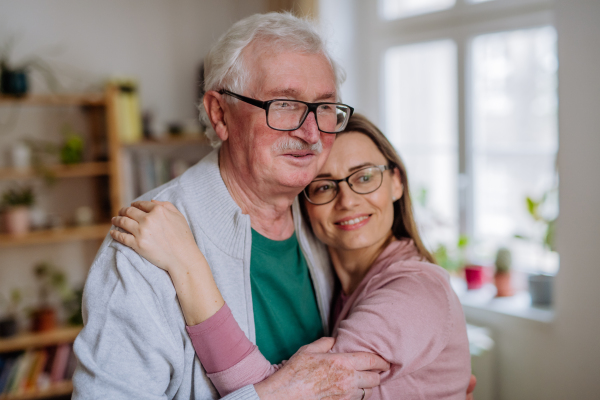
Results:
471 387
313 373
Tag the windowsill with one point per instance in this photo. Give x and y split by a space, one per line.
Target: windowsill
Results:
485 298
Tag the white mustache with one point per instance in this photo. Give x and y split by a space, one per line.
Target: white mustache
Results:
289 143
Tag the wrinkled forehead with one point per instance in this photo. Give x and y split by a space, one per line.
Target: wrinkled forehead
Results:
287 73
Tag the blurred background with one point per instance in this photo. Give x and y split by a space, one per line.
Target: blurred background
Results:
493 105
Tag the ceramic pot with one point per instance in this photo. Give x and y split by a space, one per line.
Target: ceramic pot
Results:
474 275
540 288
14 83
503 283
44 319
8 327
16 220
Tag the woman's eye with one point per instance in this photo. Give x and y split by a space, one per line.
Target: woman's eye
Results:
365 178
323 188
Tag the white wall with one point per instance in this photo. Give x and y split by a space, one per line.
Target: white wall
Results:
160 42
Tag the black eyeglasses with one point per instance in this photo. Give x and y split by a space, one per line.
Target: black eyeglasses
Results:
365 180
289 115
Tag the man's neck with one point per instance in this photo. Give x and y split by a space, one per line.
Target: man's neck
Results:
269 208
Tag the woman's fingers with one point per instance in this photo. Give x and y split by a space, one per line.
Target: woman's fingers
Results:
143 205
124 238
127 224
133 213
167 204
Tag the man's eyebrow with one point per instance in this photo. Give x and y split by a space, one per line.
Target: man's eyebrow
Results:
355 168
293 93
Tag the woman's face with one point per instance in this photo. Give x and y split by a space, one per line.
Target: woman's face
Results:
355 221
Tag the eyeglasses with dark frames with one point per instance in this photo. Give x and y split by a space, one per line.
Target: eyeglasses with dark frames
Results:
365 180
289 115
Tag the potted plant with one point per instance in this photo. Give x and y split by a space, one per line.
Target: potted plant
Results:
16 202
8 324
540 285
502 277
14 80
50 281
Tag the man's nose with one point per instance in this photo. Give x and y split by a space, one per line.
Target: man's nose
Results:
309 130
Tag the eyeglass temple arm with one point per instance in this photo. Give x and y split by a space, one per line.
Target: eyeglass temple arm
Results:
254 102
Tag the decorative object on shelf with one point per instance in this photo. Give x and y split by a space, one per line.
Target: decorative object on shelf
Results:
9 323
475 276
502 277
50 281
71 151
16 202
129 117
14 79
21 156
84 216
540 288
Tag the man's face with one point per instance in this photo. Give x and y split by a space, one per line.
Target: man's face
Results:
260 150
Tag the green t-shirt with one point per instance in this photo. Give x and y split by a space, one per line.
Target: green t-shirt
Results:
286 315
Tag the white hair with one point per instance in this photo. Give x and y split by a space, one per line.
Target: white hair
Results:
224 65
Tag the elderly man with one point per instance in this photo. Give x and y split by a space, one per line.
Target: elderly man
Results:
240 204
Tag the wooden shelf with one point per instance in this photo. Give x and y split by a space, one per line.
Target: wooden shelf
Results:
87 99
63 388
54 236
170 141
31 340
59 171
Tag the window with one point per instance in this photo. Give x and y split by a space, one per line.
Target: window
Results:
472 109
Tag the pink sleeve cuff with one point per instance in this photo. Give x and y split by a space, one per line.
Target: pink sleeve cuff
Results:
219 342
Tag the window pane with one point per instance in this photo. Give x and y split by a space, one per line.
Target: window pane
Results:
392 9
420 81
515 140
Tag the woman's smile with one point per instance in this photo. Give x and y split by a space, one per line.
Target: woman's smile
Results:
353 222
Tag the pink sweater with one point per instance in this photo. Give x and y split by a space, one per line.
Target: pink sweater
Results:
404 310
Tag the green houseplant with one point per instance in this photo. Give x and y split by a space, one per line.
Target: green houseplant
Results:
16 203
502 277
8 323
51 283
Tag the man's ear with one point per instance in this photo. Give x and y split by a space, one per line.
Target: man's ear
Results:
397 187
213 104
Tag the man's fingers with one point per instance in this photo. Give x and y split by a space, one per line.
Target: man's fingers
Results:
368 362
127 224
146 206
322 345
367 379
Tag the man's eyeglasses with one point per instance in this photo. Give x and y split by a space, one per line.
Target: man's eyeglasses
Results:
365 180
289 115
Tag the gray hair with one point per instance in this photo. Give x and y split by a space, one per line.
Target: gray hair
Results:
224 65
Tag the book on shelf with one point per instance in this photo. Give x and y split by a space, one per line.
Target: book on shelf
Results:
152 170
34 370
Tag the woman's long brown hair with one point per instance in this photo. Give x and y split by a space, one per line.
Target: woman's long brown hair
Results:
404 225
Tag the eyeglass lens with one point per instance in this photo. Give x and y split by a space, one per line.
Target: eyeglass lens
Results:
363 181
289 115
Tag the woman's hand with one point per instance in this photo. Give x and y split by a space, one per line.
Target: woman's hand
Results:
157 231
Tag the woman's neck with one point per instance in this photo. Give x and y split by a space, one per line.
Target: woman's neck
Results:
351 266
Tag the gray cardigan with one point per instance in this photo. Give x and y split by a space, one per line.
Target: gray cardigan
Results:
134 344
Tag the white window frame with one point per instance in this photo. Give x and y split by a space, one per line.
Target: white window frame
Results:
461 24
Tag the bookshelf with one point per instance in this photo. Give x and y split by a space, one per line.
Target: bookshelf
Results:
40 342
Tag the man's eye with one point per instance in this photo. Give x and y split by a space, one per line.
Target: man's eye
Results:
284 105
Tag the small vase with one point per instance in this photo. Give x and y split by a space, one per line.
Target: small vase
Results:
44 319
474 275
540 288
503 283
16 220
14 83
